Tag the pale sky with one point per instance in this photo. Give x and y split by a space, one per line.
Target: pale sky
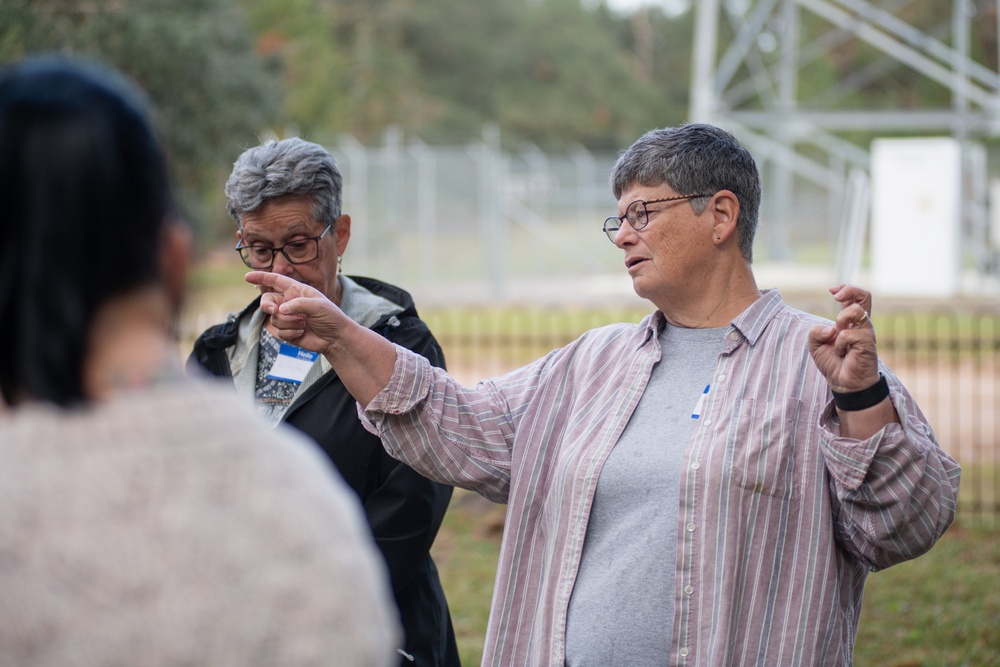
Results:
669 6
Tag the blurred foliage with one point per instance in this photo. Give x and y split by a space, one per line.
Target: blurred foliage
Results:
553 73
556 73
195 58
224 73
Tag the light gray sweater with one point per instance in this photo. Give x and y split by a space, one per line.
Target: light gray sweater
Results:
175 527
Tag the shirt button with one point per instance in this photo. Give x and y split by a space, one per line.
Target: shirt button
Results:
708 422
695 466
721 378
690 527
684 652
688 590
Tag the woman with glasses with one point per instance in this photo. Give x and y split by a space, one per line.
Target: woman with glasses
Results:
146 518
710 486
285 197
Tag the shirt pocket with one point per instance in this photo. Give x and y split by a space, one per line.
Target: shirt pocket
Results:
771 446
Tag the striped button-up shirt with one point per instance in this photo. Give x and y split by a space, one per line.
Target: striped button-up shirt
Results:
780 518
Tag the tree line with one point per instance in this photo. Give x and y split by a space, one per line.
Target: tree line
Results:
223 73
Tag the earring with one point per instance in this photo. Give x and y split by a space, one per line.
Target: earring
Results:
340 265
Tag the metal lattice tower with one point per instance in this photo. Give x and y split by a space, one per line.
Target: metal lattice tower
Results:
750 57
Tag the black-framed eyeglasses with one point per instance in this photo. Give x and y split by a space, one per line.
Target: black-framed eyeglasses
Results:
637 215
299 251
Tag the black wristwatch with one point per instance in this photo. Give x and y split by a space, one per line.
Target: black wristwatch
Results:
866 398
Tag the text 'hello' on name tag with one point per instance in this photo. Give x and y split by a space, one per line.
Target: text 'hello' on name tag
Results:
292 364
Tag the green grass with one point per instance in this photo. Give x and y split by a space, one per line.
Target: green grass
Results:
466 552
939 610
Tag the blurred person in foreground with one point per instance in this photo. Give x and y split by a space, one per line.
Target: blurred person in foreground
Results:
708 487
286 199
145 518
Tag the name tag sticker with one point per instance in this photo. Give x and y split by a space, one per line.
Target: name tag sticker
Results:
292 364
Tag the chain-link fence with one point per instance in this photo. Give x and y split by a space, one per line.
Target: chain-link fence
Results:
474 215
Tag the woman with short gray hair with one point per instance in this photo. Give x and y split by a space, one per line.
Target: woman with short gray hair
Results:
285 197
288 168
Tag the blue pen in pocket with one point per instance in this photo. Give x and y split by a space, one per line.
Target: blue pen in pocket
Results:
696 413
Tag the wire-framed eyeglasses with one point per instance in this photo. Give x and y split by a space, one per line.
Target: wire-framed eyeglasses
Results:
299 251
637 215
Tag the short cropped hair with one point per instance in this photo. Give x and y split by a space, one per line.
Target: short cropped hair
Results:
287 168
85 195
695 159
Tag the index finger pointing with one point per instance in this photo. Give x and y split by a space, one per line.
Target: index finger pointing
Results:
288 288
266 279
282 284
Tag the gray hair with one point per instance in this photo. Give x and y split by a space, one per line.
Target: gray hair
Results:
287 168
695 159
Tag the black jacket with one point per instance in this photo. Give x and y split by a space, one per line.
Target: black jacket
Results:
403 508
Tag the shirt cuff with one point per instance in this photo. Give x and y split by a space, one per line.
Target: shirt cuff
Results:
408 386
849 459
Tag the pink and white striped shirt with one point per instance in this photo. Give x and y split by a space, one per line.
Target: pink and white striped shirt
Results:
780 519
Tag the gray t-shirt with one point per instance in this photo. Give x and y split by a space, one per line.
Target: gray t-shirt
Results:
621 609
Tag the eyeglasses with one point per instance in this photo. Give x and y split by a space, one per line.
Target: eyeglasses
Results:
637 215
299 251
